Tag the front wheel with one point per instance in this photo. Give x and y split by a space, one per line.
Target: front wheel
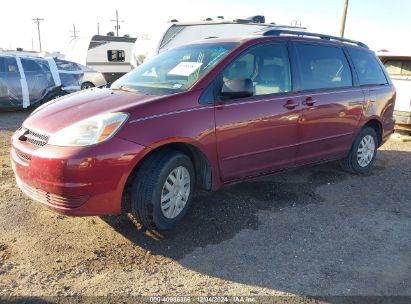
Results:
362 153
162 189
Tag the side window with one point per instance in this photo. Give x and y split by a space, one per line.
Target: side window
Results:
8 65
267 66
116 55
323 67
2 65
30 65
368 69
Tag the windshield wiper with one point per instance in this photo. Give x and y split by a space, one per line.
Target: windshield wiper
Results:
126 89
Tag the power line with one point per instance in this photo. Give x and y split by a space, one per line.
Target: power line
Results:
117 27
74 32
37 21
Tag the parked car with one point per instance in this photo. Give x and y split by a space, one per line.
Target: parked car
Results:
91 78
399 67
29 81
205 115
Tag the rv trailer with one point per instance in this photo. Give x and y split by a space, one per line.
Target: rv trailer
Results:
176 33
108 55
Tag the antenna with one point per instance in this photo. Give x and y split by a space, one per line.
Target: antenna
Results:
74 32
37 21
117 27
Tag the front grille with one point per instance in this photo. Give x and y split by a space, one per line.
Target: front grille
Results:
73 201
23 156
35 138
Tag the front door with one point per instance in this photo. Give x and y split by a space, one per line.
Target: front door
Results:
257 134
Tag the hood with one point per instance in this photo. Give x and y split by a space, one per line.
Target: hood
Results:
72 108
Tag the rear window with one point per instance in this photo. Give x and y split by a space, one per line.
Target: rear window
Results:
398 67
64 65
323 67
367 67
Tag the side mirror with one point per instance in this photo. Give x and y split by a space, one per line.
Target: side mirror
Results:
238 88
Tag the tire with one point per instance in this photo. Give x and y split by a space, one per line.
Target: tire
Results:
353 162
87 85
149 189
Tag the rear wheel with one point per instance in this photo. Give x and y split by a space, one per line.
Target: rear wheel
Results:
87 85
362 153
162 189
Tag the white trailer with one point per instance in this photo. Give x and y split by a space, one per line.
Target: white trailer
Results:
108 55
398 65
174 34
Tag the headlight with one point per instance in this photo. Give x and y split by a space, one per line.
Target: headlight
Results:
89 131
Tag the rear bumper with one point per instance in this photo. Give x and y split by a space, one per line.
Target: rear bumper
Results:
76 181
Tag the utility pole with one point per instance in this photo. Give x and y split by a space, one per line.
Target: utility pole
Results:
37 21
74 32
344 17
98 28
117 27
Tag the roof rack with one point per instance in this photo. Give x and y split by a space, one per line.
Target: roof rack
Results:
275 32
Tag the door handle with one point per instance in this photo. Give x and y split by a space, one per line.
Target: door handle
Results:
290 104
309 101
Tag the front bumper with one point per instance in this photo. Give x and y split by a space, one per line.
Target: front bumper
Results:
75 181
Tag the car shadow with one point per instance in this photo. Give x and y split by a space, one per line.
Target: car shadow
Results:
311 231
219 216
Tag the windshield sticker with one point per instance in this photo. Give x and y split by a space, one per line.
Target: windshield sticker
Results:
185 68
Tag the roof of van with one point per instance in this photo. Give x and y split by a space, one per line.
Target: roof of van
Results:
288 35
232 22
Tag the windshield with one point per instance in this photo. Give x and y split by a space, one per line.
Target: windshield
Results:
176 70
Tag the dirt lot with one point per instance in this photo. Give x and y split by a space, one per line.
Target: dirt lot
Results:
312 231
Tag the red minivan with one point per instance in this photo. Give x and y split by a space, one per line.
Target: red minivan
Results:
202 116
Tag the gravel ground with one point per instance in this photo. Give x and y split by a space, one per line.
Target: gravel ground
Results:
312 231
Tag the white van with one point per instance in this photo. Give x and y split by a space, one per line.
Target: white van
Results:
399 67
174 34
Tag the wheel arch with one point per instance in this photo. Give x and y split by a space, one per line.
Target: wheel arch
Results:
377 126
201 163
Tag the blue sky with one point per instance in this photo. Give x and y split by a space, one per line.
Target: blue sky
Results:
380 24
